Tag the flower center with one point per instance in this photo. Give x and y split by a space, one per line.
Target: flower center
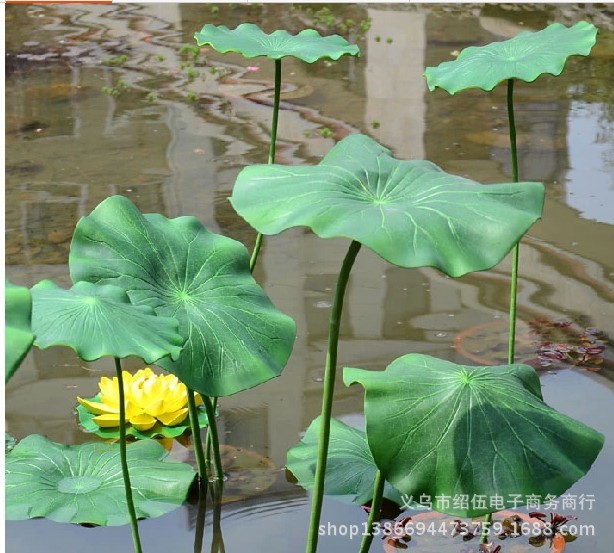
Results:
78 484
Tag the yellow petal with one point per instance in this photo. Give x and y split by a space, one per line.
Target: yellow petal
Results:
166 443
174 405
198 399
108 387
142 422
96 407
173 419
107 421
155 408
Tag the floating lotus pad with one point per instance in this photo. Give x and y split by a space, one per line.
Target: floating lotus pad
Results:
99 321
250 41
18 333
236 338
441 429
524 57
350 469
411 213
83 484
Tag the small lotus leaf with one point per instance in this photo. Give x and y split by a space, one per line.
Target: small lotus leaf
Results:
525 57
18 333
236 338
98 321
250 41
350 469
83 484
411 213
446 430
159 430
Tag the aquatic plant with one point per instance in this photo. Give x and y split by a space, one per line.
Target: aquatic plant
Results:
250 41
411 213
156 405
525 57
18 335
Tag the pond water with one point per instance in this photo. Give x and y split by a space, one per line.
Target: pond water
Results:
173 142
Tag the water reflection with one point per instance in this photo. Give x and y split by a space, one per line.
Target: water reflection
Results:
69 146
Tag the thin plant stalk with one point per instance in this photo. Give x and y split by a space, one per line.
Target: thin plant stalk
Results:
258 245
511 344
327 398
203 469
124 459
374 513
208 439
215 443
217 543
512 125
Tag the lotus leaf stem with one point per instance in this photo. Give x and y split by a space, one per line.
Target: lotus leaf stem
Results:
515 255
124 459
258 245
208 440
199 531
374 514
215 443
327 398
201 460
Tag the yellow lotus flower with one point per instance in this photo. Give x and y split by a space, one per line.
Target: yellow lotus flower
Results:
149 398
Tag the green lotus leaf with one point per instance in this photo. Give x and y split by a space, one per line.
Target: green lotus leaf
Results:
250 41
236 338
18 333
525 57
350 469
159 430
83 484
411 213
98 321
441 429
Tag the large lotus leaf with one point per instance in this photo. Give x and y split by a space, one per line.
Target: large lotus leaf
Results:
441 429
350 469
18 333
411 213
250 41
83 483
159 430
98 321
236 338
525 57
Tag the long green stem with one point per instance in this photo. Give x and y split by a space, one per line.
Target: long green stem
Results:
252 262
215 443
196 439
485 527
217 543
124 458
208 439
374 514
327 398
515 255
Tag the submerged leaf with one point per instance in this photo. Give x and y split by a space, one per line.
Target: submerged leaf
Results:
441 429
525 57
411 213
99 321
18 333
251 41
236 338
350 469
83 484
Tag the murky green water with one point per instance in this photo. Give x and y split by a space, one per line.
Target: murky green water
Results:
69 145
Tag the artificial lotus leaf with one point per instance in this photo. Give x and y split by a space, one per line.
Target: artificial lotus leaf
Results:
98 321
411 213
350 469
83 484
18 333
159 430
525 57
236 338
250 41
441 429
